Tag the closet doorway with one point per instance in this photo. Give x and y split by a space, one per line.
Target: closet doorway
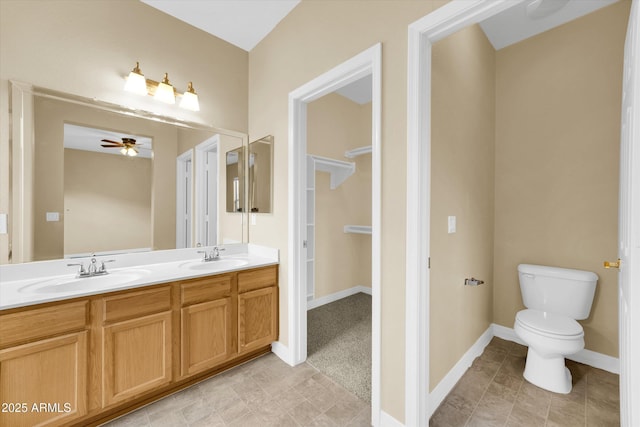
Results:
339 236
302 197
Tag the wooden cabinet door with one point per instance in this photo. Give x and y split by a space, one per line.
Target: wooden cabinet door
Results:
206 335
44 383
137 356
257 318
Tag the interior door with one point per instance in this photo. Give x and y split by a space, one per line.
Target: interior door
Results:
629 227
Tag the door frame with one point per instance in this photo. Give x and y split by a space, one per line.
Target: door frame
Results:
435 26
184 197
629 226
210 145
365 63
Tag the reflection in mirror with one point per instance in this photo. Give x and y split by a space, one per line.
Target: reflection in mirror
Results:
235 180
86 201
260 175
107 191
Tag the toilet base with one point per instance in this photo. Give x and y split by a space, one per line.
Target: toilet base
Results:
549 373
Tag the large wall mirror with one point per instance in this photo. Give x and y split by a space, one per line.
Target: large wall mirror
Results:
98 178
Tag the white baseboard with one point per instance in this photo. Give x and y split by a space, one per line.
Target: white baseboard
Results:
584 356
453 376
597 360
387 420
507 334
314 303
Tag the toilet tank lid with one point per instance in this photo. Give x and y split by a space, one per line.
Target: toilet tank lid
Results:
562 273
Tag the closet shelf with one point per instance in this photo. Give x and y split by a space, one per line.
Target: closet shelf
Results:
358 229
338 169
358 151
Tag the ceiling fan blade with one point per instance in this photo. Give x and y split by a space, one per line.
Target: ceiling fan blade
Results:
111 146
112 142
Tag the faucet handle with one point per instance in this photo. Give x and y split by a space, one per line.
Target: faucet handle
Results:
81 270
103 268
215 253
206 255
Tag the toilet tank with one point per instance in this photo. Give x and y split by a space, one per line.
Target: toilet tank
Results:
557 290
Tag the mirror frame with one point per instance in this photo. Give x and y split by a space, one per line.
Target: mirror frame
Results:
21 144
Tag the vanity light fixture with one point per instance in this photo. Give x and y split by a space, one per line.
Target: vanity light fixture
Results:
162 91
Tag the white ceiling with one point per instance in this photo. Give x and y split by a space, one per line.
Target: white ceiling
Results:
514 25
243 23
358 91
90 139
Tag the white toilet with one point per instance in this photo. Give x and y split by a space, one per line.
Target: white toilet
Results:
555 298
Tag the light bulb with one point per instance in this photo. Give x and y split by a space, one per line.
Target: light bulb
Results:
164 92
136 82
190 99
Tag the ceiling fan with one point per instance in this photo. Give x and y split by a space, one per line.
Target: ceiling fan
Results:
127 146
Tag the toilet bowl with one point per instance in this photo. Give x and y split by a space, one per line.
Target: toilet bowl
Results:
550 338
555 298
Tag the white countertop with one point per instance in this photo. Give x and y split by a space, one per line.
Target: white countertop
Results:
45 281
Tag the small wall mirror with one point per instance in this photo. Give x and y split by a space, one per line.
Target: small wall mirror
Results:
261 175
235 180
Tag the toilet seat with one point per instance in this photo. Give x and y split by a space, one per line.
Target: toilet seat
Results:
549 324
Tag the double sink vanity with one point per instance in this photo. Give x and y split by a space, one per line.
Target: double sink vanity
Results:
81 350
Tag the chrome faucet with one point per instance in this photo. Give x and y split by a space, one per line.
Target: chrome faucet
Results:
92 268
214 255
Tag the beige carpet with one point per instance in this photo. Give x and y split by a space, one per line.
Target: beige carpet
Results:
339 342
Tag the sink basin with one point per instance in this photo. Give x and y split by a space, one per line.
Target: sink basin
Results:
73 284
218 265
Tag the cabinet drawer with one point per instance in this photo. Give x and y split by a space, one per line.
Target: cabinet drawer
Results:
206 289
258 278
136 304
31 324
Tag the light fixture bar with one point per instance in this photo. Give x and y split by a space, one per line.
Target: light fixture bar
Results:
162 91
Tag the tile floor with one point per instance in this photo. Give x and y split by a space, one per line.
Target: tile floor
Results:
493 393
263 392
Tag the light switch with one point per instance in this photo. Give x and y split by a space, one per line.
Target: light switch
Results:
53 216
451 224
253 219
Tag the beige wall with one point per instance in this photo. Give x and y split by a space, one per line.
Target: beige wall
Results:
50 116
313 38
107 202
557 148
462 160
341 260
86 48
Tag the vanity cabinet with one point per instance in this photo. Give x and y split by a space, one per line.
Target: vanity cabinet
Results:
136 338
84 361
43 365
257 308
207 329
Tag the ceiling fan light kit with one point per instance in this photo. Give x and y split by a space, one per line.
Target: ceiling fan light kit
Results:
127 146
162 91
